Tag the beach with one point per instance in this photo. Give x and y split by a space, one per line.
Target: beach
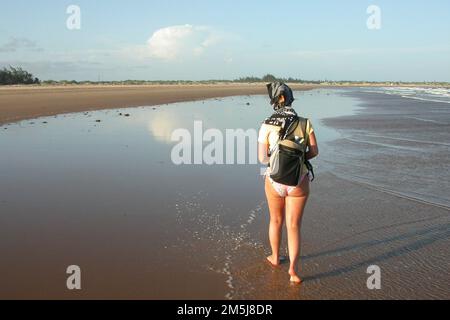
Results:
98 189
22 102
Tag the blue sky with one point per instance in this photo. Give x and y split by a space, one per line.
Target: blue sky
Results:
217 39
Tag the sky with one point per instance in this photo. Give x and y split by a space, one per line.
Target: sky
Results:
223 39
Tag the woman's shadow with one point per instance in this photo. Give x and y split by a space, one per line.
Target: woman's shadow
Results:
428 237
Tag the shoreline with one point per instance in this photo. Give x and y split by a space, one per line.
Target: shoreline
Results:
23 103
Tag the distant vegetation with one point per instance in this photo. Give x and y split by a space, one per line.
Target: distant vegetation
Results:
265 79
16 76
270 78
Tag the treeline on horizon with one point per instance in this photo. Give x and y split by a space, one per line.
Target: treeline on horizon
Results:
18 76
12 75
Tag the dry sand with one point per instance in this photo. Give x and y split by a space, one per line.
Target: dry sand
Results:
19 103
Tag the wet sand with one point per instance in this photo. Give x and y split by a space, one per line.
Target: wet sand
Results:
105 196
19 103
348 227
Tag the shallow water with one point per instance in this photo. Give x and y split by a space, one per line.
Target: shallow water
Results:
440 95
397 144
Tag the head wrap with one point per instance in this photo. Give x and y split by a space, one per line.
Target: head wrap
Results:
275 90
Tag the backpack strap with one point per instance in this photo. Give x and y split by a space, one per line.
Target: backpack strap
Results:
286 132
301 129
304 127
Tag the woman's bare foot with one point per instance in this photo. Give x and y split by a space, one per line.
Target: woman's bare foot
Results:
294 277
275 262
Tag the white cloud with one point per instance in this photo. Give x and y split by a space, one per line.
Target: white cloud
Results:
173 42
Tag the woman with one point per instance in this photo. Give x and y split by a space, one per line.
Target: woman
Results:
285 203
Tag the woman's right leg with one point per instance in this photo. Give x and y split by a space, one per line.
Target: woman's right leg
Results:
276 208
295 206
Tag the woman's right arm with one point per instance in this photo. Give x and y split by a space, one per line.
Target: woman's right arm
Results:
263 145
263 153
